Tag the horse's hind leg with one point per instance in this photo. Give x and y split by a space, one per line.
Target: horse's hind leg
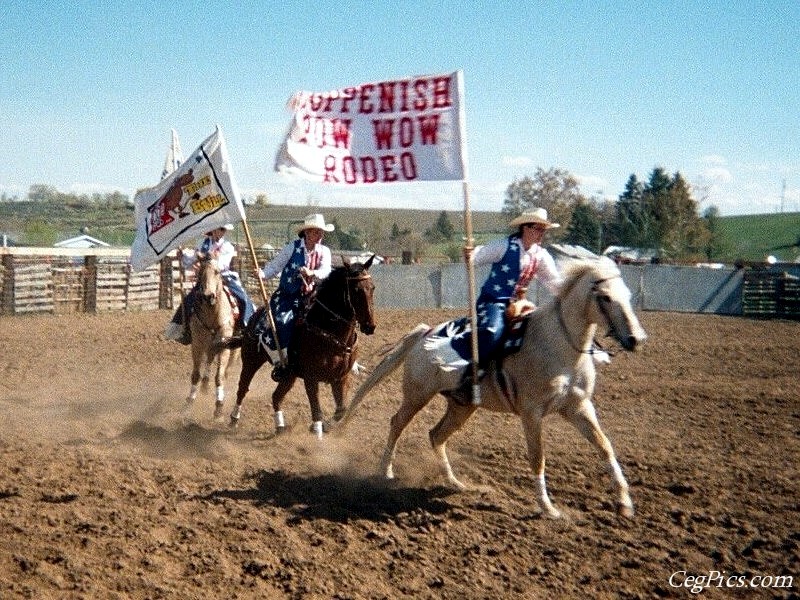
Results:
584 419
408 409
450 422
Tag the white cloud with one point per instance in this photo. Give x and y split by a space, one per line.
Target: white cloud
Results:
713 160
517 161
716 175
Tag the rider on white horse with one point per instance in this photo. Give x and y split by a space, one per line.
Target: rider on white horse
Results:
515 261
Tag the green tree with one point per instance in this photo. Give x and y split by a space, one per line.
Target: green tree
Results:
632 224
662 215
39 192
714 247
338 239
442 230
38 232
584 227
555 190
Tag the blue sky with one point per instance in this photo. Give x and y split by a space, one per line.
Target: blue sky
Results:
90 90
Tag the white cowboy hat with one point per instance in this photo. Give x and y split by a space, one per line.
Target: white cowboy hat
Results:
315 221
537 215
226 227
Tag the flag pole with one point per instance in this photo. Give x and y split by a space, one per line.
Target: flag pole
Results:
469 246
270 318
469 242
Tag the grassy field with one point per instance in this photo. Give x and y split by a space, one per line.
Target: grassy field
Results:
748 238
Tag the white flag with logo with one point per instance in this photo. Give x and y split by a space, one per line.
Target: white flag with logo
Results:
197 197
391 131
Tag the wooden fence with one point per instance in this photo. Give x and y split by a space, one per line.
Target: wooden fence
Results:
769 294
63 280
55 280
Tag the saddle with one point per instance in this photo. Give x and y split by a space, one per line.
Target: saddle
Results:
455 365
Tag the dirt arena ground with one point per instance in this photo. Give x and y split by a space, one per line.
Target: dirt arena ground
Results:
106 492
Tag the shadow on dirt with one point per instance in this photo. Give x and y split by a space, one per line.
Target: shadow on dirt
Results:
339 498
189 439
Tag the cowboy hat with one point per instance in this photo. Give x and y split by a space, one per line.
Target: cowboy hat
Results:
226 227
315 221
537 215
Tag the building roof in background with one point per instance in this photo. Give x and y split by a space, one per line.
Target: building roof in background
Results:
82 241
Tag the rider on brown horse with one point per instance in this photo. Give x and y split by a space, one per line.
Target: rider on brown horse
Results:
301 264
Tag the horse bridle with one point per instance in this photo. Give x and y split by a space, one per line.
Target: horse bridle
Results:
600 307
349 302
348 299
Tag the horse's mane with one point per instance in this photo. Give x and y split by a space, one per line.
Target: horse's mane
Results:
338 276
574 271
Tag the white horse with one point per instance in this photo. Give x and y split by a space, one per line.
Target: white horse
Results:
553 372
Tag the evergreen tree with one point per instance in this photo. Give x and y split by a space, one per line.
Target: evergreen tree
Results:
584 227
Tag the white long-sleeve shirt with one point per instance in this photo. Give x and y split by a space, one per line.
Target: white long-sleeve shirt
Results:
274 267
224 248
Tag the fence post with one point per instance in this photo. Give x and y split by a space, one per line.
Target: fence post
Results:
90 284
7 298
165 285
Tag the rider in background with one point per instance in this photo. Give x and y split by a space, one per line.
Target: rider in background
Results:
515 261
301 264
222 252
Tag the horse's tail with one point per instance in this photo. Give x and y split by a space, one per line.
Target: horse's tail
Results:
394 356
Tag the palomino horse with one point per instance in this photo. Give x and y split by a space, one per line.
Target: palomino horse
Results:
553 371
211 322
324 344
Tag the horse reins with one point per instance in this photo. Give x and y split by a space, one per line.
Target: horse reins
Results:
351 321
602 310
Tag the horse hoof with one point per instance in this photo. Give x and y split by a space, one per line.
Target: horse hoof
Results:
234 422
280 430
625 511
552 513
218 410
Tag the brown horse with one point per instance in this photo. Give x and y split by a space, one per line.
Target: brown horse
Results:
324 344
211 322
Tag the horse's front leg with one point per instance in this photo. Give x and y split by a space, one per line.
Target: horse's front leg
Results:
197 362
253 359
219 380
339 390
584 418
283 387
312 391
532 425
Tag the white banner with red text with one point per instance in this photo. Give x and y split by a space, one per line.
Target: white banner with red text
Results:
401 130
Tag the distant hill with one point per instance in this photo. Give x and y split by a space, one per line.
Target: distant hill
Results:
754 237
748 237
